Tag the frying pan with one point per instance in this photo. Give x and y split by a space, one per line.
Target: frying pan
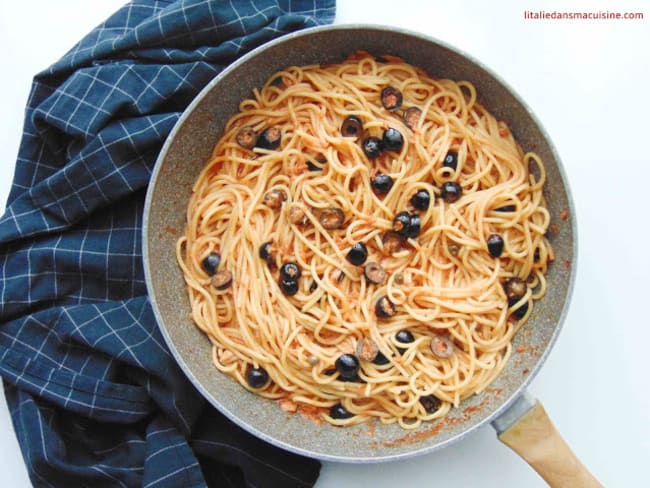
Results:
520 421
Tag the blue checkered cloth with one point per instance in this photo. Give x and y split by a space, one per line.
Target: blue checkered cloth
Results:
95 396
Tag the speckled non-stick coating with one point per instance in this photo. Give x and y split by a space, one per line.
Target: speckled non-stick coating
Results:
186 151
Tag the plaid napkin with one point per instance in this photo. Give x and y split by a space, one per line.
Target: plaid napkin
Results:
95 396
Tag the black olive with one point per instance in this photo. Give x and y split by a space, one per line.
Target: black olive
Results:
381 359
367 349
277 81
269 138
384 308
391 98
536 255
392 140
381 184
521 311
431 403
222 280
451 160
374 273
289 287
247 137
351 126
274 198
506 208
347 365
331 218
338 411
404 336
290 272
515 288
407 224
358 254
495 245
211 263
442 346
421 199
371 147
392 242
451 191
297 216
313 287
257 377
266 252
411 117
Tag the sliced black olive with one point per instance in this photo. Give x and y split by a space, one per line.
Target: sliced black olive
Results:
222 280
451 160
431 403
391 98
247 137
269 138
297 216
515 288
351 126
374 273
381 184
347 365
384 308
381 359
495 245
358 254
257 377
211 263
274 198
339 412
392 242
412 116
506 208
451 191
442 346
289 287
267 253
421 199
392 139
331 218
290 271
367 349
407 224
371 147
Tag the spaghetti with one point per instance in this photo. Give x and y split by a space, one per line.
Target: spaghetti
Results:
364 242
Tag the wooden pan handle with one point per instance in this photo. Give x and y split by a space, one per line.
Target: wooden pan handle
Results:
535 438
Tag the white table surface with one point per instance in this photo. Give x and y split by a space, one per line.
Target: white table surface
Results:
588 82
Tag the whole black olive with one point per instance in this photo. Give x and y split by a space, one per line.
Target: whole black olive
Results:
404 336
392 139
421 199
211 263
451 191
407 224
339 412
506 208
351 126
451 160
518 313
269 138
371 147
381 359
347 365
290 271
495 245
381 184
391 98
289 287
358 254
257 377
384 308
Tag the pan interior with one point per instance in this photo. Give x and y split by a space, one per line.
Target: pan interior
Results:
187 150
